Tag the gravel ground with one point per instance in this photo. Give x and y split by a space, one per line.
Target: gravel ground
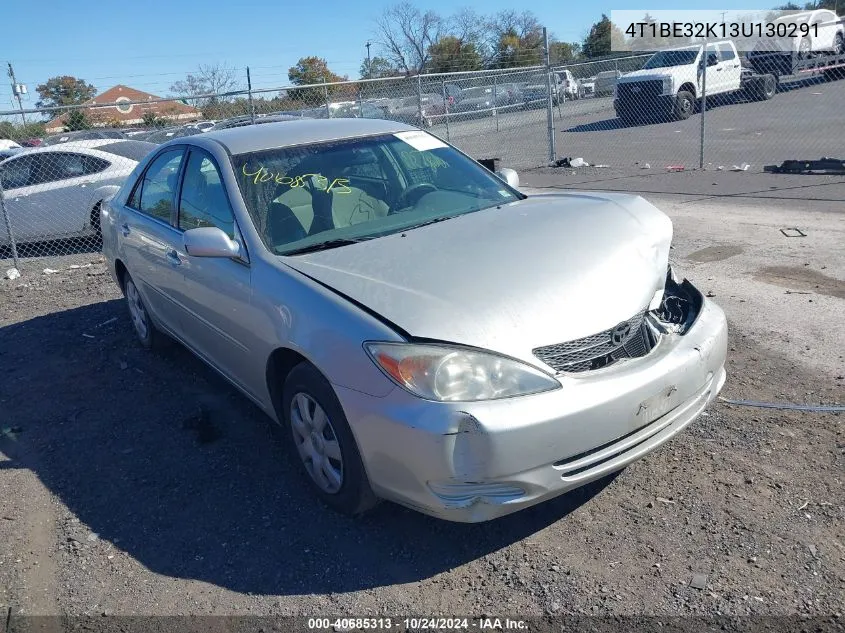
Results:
141 483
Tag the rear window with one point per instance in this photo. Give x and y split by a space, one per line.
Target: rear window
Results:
135 150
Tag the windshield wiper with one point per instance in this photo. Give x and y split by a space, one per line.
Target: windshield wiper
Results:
323 246
427 222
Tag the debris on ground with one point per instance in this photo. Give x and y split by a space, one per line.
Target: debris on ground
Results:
675 168
571 162
743 167
699 581
76 266
50 271
13 273
835 166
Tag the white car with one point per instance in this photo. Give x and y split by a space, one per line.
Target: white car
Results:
55 192
7 144
826 32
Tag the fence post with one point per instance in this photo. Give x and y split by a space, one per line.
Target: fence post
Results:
703 105
249 92
419 99
496 101
550 122
360 101
445 106
8 226
326 96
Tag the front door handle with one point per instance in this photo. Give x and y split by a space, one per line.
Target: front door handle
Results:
125 229
173 258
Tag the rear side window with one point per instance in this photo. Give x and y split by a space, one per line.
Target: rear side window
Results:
726 51
155 193
17 173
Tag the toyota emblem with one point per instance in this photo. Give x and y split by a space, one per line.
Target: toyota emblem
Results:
620 333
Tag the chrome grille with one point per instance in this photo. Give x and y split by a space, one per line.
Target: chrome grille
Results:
598 350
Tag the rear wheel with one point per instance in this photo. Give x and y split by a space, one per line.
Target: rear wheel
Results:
147 334
684 105
764 88
95 222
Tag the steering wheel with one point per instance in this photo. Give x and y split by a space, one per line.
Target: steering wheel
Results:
412 194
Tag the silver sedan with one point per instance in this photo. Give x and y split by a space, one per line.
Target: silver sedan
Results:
425 332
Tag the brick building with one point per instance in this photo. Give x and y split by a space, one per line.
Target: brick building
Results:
131 113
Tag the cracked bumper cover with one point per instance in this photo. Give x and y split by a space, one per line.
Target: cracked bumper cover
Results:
472 462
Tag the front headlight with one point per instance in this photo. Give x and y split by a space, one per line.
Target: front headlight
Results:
450 373
667 86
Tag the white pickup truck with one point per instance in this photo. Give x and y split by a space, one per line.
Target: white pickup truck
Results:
672 82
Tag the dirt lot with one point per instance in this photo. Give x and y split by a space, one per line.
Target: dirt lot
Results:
139 483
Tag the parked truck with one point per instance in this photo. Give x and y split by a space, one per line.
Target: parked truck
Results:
672 82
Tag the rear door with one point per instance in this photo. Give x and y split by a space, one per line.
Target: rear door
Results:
150 242
731 73
64 189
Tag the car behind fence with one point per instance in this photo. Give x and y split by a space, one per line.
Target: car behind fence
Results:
623 114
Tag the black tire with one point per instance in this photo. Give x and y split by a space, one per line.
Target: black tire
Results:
839 44
765 88
805 48
684 105
95 222
354 495
145 331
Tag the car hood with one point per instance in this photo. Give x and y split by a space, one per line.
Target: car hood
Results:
653 73
544 270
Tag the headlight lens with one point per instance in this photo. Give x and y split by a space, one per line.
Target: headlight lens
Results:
453 374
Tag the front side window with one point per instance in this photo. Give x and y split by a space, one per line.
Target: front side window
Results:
305 196
155 193
203 201
726 51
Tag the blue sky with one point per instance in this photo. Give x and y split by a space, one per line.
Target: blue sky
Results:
153 43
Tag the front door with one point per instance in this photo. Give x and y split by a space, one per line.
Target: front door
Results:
218 314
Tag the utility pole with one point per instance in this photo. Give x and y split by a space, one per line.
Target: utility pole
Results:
369 62
16 90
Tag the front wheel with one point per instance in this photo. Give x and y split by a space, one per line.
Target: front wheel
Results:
324 442
684 105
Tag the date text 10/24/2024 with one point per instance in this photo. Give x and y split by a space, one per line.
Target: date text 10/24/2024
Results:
417 624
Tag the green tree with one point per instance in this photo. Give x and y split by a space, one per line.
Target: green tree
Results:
603 40
308 71
377 68
76 120
564 52
516 39
151 119
63 91
18 132
648 42
450 54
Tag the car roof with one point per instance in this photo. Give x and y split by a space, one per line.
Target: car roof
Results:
251 138
68 146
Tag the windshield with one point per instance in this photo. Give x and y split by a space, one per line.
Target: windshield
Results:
301 197
664 59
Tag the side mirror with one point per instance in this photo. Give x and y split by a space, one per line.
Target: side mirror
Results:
209 241
509 176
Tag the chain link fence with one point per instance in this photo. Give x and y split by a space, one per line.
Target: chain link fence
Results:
619 116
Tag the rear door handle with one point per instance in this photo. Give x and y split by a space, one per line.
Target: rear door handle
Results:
173 258
125 229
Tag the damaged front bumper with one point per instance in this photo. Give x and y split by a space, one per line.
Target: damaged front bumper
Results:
472 462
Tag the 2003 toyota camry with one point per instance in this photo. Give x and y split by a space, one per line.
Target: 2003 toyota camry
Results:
427 333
